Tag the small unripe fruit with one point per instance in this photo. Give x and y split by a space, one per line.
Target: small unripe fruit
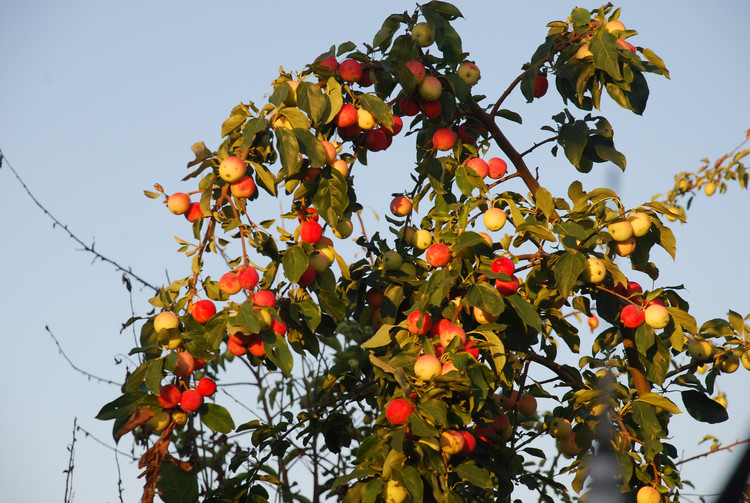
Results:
560 428
648 494
621 230
191 401
568 446
160 420
640 222
728 363
418 70
178 203
657 316
185 364
494 219
614 26
710 188
343 229
595 270
422 239
422 34
701 350
427 367
401 206
232 169
365 120
469 73
395 492
203 310
392 260
165 321
624 248
430 89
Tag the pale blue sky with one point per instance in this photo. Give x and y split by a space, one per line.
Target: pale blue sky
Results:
100 100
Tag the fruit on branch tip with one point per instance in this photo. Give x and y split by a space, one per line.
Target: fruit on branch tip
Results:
350 132
624 248
376 140
408 106
401 206
291 96
206 387
527 405
398 410
191 400
430 89
709 188
395 492
595 270
319 262
419 324
278 327
745 359
620 230
701 351
560 428
503 265
427 367
244 187
469 73
350 70
398 125
347 116
431 109
325 246
451 442
422 34
178 203
541 84
494 219
418 70
392 260
169 396
203 310
501 425
656 316
185 364
648 494
166 321
614 26
438 255
444 139
236 348
229 283
310 231
232 169
640 222
632 316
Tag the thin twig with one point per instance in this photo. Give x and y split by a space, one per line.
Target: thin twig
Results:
88 434
87 374
71 465
725 448
86 247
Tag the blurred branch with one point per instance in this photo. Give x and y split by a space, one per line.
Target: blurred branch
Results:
71 464
86 247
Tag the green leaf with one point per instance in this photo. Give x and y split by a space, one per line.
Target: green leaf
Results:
176 485
604 50
286 142
655 60
311 100
609 153
526 312
217 418
384 36
154 375
509 115
703 408
295 263
377 108
497 349
716 328
485 297
252 128
658 400
311 147
644 338
246 318
573 138
265 178
277 350
335 99
474 475
567 269
544 201
332 197
381 338
237 117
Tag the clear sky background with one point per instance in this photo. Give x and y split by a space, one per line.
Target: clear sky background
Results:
100 100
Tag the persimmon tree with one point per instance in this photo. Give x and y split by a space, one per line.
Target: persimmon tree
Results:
411 370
